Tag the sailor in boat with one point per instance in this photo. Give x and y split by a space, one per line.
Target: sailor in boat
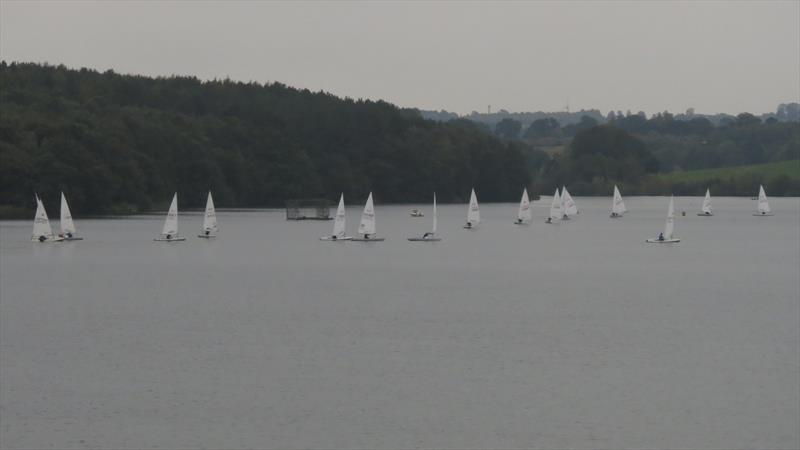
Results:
614 214
660 236
169 236
42 238
427 235
366 236
333 237
549 220
208 232
469 224
519 221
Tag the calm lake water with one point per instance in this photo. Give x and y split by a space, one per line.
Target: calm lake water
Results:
576 335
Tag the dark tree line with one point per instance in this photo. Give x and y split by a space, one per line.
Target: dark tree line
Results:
121 143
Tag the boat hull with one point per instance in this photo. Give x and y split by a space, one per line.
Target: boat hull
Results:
206 236
177 239
368 239
763 215
422 239
55 239
705 214
341 239
73 238
665 241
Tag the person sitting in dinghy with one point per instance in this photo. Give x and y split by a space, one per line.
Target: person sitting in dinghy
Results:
549 220
660 236
427 235
366 236
469 224
333 238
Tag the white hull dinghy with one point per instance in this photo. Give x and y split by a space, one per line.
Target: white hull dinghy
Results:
339 224
169 233
431 235
42 232
617 205
473 213
763 204
210 226
555 209
67 225
667 236
524 213
705 211
366 228
568 207
417 213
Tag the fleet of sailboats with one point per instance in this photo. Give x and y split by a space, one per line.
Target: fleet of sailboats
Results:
366 228
669 228
763 204
473 212
562 207
617 205
429 236
169 233
524 214
706 209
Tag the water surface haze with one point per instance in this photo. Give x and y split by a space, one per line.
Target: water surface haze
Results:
577 335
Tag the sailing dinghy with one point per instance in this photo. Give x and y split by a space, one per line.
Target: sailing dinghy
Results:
210 226
473 213
617 205
667 236
568 207
555 208
42 232
763 204
169 233
431 235
524 213
706 209
367 226
67 225
339 224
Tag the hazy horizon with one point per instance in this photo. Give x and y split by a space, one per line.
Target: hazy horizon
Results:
715 57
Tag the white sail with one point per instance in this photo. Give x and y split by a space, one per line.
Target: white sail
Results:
618 205
555 207
367 225
171 222
41 224
763 204
340 221
435 219
210 218
669 227
524 212
474 213
707 202
567 203
67 225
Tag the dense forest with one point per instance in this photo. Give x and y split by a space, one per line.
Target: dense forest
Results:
121 143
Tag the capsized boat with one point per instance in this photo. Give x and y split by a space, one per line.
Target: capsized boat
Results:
210 226
706 209
366 228
524 213
169 233
430 236
763 204
473 213
42 232
339 224
555 208
617 205
667 236
67 225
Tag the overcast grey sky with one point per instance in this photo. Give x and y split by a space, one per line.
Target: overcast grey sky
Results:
720 56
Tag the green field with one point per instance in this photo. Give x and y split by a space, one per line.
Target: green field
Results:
788 168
